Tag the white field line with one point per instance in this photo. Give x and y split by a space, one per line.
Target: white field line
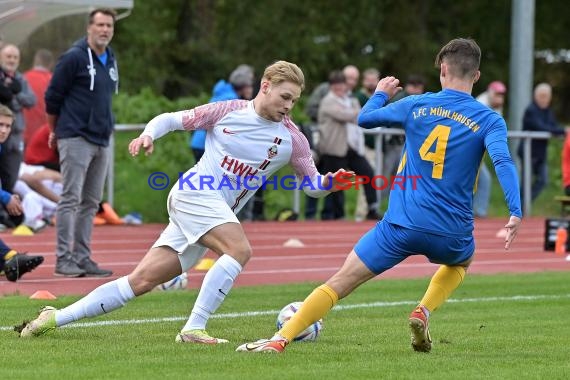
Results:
312 269
517 298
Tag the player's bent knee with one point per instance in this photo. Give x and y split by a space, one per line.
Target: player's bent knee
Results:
142 284
241 255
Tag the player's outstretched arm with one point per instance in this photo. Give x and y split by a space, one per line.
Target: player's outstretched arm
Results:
512 229
143 141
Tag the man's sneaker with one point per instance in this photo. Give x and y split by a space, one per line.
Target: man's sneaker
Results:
20 264
419 327
66 267
264 345
197 336
92 269
44 323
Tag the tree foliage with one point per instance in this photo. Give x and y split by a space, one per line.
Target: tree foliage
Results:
182 47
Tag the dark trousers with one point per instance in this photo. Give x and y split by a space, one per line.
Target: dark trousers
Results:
357 163
312 206
9 168
8 220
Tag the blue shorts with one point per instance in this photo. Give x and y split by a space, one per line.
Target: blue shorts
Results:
388 244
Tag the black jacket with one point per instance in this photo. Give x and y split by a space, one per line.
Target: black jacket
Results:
80 93
540 120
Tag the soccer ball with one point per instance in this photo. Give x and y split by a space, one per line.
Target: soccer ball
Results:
309 334
177 283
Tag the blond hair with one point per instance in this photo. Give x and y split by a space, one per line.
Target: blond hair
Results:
282 71
5 111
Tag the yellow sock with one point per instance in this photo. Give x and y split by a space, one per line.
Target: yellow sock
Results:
442 284
10 254
315 306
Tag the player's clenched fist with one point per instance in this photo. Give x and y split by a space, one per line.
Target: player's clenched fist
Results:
389 85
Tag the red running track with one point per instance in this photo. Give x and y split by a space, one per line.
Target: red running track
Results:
326 244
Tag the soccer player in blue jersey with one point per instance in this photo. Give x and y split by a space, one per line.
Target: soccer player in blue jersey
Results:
446 135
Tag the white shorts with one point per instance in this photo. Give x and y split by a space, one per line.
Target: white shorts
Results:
191 215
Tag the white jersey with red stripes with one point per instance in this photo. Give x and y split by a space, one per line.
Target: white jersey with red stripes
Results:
243 149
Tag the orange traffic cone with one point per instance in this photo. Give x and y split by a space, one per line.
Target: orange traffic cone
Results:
561 238
109 215
43 295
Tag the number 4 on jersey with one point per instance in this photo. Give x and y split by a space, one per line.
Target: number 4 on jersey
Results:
440 136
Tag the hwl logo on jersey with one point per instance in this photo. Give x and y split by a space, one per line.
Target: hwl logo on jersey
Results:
237 167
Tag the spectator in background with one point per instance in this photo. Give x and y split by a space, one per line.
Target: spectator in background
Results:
314 101
538 116
38 78
494 98
78 104
341 143
11 212
17 95
351 74
370 78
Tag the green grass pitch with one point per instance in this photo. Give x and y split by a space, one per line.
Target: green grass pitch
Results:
494 327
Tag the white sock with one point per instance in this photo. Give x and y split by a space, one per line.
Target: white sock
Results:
102 300
216 286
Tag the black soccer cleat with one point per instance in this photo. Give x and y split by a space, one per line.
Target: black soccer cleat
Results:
20 264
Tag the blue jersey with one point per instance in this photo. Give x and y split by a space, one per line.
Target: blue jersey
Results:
446 136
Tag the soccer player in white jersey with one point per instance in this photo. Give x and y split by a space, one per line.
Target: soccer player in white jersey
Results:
245 139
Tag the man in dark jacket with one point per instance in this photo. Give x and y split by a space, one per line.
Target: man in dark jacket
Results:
78 103
538 116
16 94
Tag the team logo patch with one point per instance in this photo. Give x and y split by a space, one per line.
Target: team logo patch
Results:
113 74
272 152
